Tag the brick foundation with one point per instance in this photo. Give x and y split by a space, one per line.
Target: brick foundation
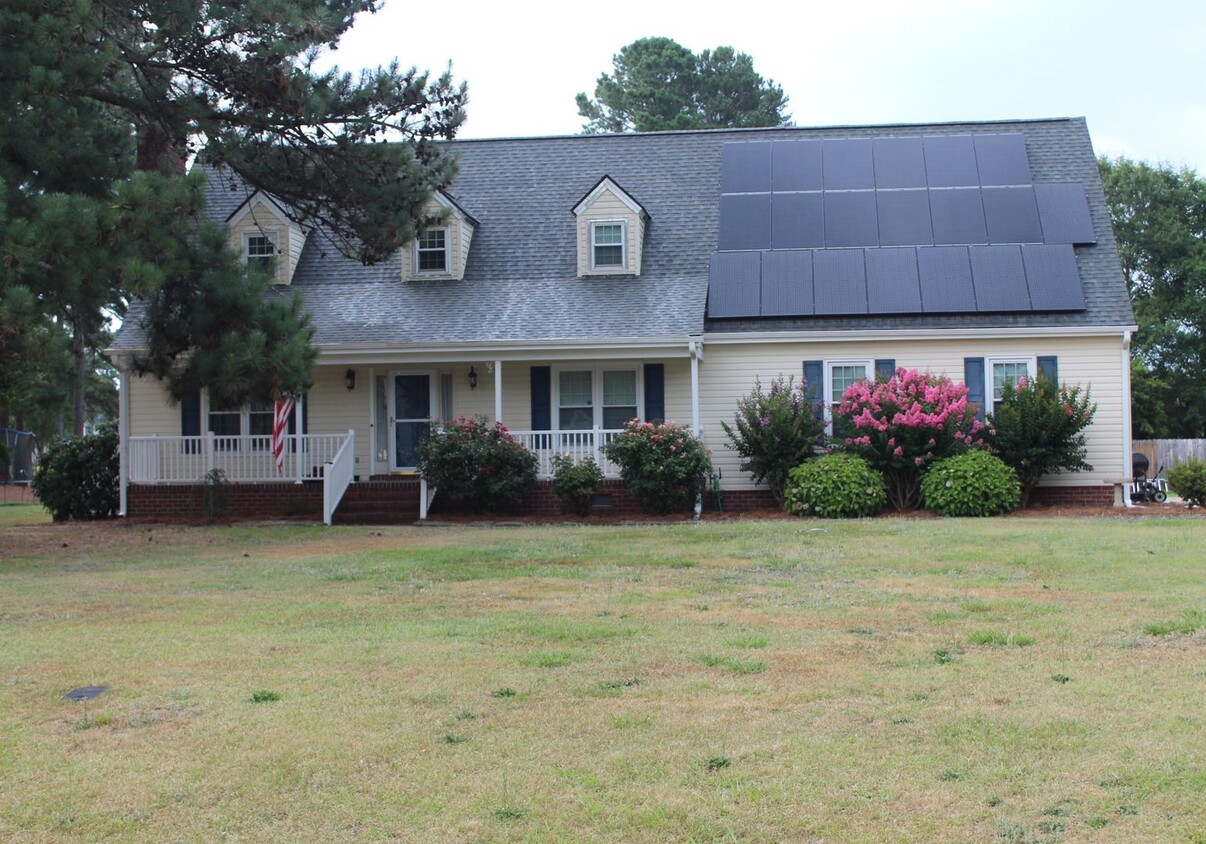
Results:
186 502
1101 495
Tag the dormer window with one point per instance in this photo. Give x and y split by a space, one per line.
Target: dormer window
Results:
431 254
259 249
607 245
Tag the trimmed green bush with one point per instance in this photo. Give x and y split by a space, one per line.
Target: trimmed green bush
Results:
1188 480
663 464
836 486
77 478
576 483
972 484
477 465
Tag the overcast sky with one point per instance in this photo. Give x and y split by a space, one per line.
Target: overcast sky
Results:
1133 69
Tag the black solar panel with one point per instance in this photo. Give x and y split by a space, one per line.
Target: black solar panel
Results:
899 163
850 219
999 278
904 218
745 221
848 164
796 165
944 273
787 283
1053 278
892 283
745 167
797 221
734 284
958 216
839 281
1002 159
950 161
1012 215
1064 213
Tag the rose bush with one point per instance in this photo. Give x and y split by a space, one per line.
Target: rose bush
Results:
663 463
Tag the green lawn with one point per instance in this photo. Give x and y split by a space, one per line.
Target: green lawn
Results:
1012 680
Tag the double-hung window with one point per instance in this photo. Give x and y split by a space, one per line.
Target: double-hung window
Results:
607 245
1003 370
259 248
431 251
838 376
254 420
596 398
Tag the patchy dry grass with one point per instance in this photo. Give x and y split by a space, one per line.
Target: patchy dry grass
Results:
895 680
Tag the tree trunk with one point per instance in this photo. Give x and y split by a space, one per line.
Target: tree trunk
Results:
79 353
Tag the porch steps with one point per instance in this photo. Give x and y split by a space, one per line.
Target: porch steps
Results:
379 502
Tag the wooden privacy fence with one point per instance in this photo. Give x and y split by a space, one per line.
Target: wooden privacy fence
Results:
1169 453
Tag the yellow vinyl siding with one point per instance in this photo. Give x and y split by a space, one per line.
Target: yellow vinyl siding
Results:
262 218
728 371
152 411
460 236
606 207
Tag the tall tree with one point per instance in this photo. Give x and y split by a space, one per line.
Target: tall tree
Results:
658 84
101 104
1159 216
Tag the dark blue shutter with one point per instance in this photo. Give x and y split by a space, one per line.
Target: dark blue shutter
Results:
655 391
190 418
542 398
1048 365
973 377
885 368
814 384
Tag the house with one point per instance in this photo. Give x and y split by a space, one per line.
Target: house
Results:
577 282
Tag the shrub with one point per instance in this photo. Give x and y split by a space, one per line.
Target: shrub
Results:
836 486
77 478
477 465
904 424
1188 480
972 484
664 465
774 432
1039 429
576 483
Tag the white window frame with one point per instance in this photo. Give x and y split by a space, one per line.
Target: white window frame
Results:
244 413
609 268
868 366
990 389
596 388
447 270
271 235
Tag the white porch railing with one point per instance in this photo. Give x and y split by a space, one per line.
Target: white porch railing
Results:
337 476
578 444
244 459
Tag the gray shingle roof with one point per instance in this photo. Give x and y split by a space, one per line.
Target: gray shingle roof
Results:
520 281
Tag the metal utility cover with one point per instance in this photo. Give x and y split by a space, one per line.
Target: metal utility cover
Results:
1053 278
958 216
999 278
1011 215
745 167
904 218
745 221
1002 159
787 283
734 284
796 165
85 692
950 161
839 282
797 221
1064 213
899 163
847 164
850 219
892 283
944 273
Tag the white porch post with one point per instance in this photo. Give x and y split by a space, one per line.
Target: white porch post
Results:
1126 417
298 415
123 439
498 391
372 423
696 349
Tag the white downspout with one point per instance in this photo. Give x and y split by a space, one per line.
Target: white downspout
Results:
123 439
1126 416
498 391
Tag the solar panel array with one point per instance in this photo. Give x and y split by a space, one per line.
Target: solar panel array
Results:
915 225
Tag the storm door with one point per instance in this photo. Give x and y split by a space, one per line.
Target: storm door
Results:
411 420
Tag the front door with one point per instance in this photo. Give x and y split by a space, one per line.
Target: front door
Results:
411 420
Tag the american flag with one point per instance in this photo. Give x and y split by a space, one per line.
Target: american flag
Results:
280 430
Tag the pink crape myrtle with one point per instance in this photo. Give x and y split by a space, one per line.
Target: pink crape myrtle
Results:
902 425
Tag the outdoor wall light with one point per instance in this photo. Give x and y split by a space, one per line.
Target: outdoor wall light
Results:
349 379
472 378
